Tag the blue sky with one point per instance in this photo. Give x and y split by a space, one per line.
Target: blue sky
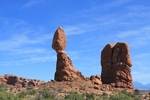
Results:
27 28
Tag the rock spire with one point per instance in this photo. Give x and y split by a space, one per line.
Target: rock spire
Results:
64 67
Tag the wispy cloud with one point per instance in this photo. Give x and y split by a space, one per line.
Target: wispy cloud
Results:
136 37
31 3
140 56
21 40
29 51
115 3
135 73
78 29
24 44
126 34
138 7
28 60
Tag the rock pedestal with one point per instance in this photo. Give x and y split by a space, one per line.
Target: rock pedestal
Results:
116 65
64 68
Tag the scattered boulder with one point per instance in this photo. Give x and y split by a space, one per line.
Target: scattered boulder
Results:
116 65
13 80
18 81
96 79
64 68
2 80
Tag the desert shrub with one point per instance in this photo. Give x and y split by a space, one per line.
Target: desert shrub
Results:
21 95
136 92
47 94
74 96
123 95
104 96
30 87
120 96
8 96
90 96
3 87
31 92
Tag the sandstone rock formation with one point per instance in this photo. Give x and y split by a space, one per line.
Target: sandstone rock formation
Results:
19 81
59 40
64 68
2 80
96 79
116 65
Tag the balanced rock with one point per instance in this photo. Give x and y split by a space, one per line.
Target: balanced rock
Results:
116 65
59 40
64 68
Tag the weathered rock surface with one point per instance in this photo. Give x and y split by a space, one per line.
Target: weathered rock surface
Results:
96 79
2 80
64 68
19 81
116 65
59 40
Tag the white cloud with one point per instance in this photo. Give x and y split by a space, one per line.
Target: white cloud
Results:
32 2
29 60
136 37
140 56
19 40
138 7
138 63
139 32
115 3
135 73
77 29
30 51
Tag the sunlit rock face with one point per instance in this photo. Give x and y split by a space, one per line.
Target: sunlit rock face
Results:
59 40
116 65
64 67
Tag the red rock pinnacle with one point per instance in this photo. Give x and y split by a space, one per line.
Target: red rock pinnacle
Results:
64 68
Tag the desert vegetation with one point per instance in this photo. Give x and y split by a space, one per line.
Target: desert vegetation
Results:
8 92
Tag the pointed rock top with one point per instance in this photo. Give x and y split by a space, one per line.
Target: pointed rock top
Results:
60 28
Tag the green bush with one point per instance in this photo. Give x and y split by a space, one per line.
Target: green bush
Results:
120 96
124 95
74 96
136 92
21 95
89 96
8 96
3 87
47 94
